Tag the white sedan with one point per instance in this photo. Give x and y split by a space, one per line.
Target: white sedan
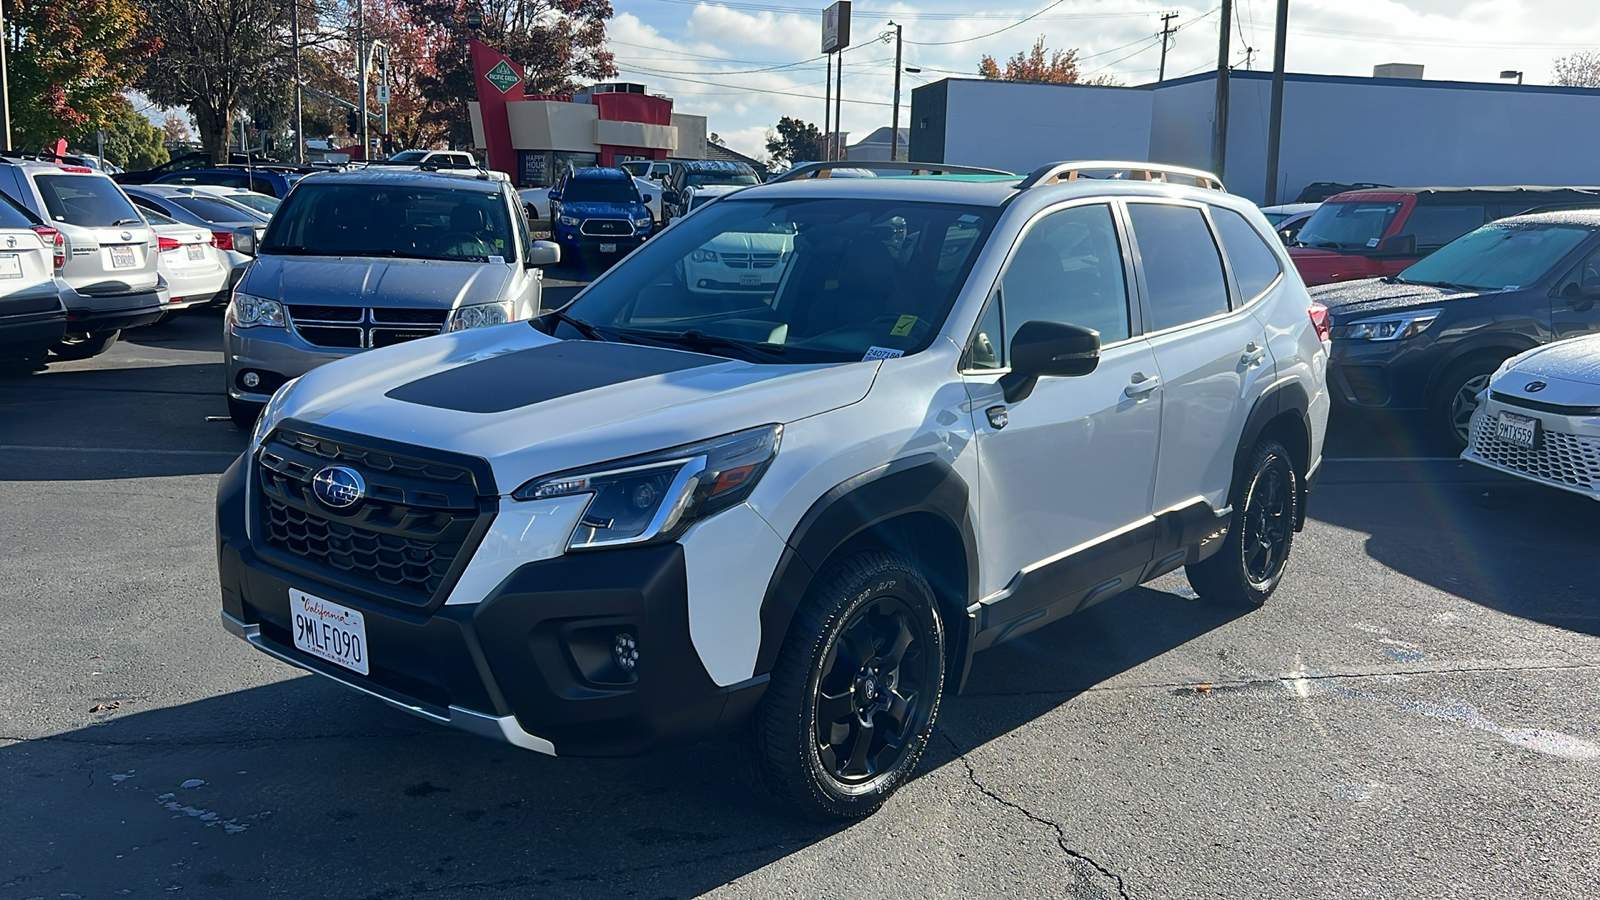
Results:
195 270
537 202
1539 418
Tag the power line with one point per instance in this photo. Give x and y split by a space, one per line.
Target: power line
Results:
992 33
875 13
756 90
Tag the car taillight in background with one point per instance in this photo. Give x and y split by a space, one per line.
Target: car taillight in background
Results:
1319 321
58 244
167 243
222 240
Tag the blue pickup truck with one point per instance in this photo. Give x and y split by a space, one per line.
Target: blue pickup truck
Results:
599 214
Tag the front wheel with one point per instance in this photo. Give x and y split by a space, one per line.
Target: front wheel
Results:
855 691
1456 399
85 345
1251 563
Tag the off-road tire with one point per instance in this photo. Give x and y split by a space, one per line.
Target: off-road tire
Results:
787 760
1255 554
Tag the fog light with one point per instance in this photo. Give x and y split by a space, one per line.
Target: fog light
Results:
251 380
625 652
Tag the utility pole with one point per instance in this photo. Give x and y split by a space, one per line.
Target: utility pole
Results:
1219 128
361 65
5 86
1166 35
894 125
827 110
299 107
1280 43
838 107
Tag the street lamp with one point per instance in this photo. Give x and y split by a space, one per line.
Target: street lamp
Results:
1512 73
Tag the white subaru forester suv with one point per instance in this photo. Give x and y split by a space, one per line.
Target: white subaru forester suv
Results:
970 405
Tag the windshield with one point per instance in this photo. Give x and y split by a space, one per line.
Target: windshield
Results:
93 201
599 190
218 211
410 222
701 179
1498 257
792 281
1348 225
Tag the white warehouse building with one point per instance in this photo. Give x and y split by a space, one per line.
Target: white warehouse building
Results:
1396 131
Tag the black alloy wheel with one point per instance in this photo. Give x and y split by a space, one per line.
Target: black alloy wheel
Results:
1251 562
855 690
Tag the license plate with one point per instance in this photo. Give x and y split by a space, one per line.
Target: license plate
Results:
10 266
1523 431
329 631
197 252
608 248
749 280
122 258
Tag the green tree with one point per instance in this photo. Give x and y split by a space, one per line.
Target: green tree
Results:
793 141
132 142
69 64
1039 63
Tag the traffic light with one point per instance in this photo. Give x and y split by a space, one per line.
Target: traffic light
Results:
352 122
388 144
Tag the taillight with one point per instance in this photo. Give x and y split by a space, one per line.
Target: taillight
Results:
167 243
1319 321
53 237
78 170
222 240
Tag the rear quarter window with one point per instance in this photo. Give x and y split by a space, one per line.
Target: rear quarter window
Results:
1255 265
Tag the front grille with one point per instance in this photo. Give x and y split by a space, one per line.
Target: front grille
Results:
750 260
402 541
1544 406
1559 458
361 328
607 227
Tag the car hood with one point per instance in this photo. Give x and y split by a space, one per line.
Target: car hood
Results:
531 404
1351 300
1570 369
353 281
586 208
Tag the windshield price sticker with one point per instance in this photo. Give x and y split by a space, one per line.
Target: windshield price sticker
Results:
1372 242
882 353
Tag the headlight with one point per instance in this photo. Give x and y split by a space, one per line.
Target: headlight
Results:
270 414
643 219
246 311
568 220
1391 328
704 256
655 496
479 316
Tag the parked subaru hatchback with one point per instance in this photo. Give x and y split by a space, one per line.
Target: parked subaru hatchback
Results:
32 318
372 258
599 213
970 405
105 253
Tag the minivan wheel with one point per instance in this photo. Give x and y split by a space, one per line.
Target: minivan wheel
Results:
84 345
244 414
1457 399
1251 563
855 691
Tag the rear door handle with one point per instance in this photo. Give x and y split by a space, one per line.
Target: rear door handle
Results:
1143 384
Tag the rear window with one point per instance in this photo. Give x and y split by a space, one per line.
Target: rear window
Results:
409 156
218 211
600 190
13 215
92 201
155 218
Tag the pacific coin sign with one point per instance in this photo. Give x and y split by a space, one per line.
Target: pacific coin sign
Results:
836 27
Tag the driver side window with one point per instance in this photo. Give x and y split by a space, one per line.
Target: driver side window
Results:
1067 268
1586 277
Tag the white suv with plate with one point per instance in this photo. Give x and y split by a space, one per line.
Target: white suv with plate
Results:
969 405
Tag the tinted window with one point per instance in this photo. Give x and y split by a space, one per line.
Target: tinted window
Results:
155 218
1436 226
89 200
1068 268
216 210
1348 225
1499 256
599 190
224 179
391 220
1182 271
1255 266
13 215
1585 277
988 350
700 179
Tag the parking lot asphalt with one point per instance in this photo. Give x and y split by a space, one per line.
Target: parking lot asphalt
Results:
1413 714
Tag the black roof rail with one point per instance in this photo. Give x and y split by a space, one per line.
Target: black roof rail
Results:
1052 173
825 169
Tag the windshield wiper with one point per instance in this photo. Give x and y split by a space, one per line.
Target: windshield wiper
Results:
121 222
694 339
584 328
1448 284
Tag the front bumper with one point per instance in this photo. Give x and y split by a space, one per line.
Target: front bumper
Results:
585 243
277 354
530 664
1381 375
1566 454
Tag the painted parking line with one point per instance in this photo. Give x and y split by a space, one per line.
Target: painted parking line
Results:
1391 459
30 448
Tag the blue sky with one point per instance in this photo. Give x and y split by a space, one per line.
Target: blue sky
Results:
745 63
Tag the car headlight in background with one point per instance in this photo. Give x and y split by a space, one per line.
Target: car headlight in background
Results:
1391 328
655 496
480 315
571 221
245 311
704 256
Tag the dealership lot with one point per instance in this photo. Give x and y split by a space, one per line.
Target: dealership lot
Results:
1413 714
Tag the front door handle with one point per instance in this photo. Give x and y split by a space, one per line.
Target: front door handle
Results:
1142 385
1253 354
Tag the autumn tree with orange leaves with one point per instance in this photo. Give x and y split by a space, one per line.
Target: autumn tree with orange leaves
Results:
1039 63
68 64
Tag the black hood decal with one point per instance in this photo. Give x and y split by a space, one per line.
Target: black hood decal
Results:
525 377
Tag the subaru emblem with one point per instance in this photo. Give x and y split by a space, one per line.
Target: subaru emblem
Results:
127 235
1534 387
338 487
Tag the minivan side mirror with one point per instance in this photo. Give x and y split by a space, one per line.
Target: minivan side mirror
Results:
543 253
1398 245
1052 349
647 198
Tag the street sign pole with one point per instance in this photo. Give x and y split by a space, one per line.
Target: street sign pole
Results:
835 37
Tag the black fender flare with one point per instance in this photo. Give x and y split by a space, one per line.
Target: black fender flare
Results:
920 484
1284 397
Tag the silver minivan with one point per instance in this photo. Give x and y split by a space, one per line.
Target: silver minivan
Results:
376 257
105 252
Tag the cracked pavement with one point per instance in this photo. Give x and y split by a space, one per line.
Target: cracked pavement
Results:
1416 713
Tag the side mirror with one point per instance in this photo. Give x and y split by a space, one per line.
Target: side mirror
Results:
647 198
543 253
244 240
671 197
1399 245
1052 349
555 196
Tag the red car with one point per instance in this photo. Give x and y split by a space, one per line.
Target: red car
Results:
1370 233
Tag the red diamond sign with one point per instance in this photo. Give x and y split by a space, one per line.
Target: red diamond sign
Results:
503 76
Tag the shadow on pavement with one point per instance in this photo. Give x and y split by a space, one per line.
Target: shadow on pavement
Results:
311 790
